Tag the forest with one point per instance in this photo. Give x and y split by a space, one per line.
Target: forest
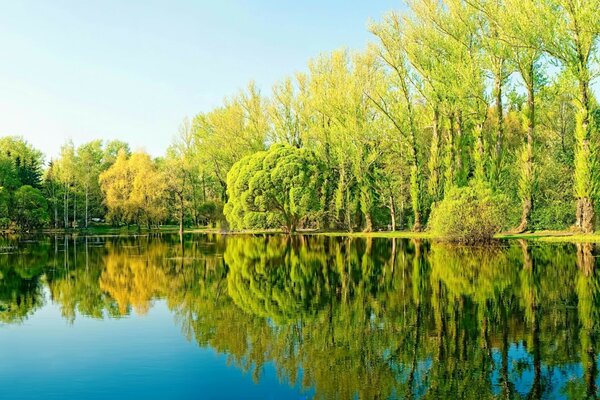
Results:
464 117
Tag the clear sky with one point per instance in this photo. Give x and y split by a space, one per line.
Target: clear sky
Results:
133 70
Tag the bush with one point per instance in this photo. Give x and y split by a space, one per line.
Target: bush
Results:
469 214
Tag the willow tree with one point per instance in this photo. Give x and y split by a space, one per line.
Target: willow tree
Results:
420 43
456 25
495 54
135 190
230 132
397 102
570 34
287 112
517 26
345 134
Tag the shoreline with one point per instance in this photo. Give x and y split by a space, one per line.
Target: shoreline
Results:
540 236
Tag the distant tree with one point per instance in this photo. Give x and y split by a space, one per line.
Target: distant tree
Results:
27 160
9 178
112 149
65 173
135 190
31 208
52 191
88 168
4 208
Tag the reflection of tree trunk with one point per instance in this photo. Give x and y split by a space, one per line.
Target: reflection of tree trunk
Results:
393 260
506 387
330 320
415 359
585 258
527 260
441 322
485 333
591 367
369 246
536 389
182 250
463 330
587 293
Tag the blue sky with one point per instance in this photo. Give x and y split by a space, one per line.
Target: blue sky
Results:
133 70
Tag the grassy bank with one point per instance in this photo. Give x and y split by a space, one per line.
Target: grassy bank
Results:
100 230
542 236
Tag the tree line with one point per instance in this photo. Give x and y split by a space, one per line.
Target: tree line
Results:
455 105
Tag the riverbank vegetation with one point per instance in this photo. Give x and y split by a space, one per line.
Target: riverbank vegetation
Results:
453 104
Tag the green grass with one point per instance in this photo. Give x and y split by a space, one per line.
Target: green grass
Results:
553 236
542 236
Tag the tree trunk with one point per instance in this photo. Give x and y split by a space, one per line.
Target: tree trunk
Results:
55 207
458 153
527 174
584 160
393 213
86 207
449 160
499 126
478 155
181 214
434 157
66 206
368 222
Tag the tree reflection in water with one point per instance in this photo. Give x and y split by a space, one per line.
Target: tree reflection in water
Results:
345 317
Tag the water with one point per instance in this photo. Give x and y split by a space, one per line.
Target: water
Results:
301 318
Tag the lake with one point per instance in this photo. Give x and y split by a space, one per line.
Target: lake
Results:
274 317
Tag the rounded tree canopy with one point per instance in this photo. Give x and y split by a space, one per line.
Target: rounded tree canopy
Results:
275 188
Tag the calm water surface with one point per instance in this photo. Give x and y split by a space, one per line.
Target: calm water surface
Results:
301 318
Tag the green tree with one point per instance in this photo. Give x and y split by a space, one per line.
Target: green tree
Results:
570 34
273 188
88 168
31 208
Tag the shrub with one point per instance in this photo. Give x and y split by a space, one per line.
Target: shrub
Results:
471 214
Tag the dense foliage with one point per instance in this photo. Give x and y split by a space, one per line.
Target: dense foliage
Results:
274 188
450 93
472 213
